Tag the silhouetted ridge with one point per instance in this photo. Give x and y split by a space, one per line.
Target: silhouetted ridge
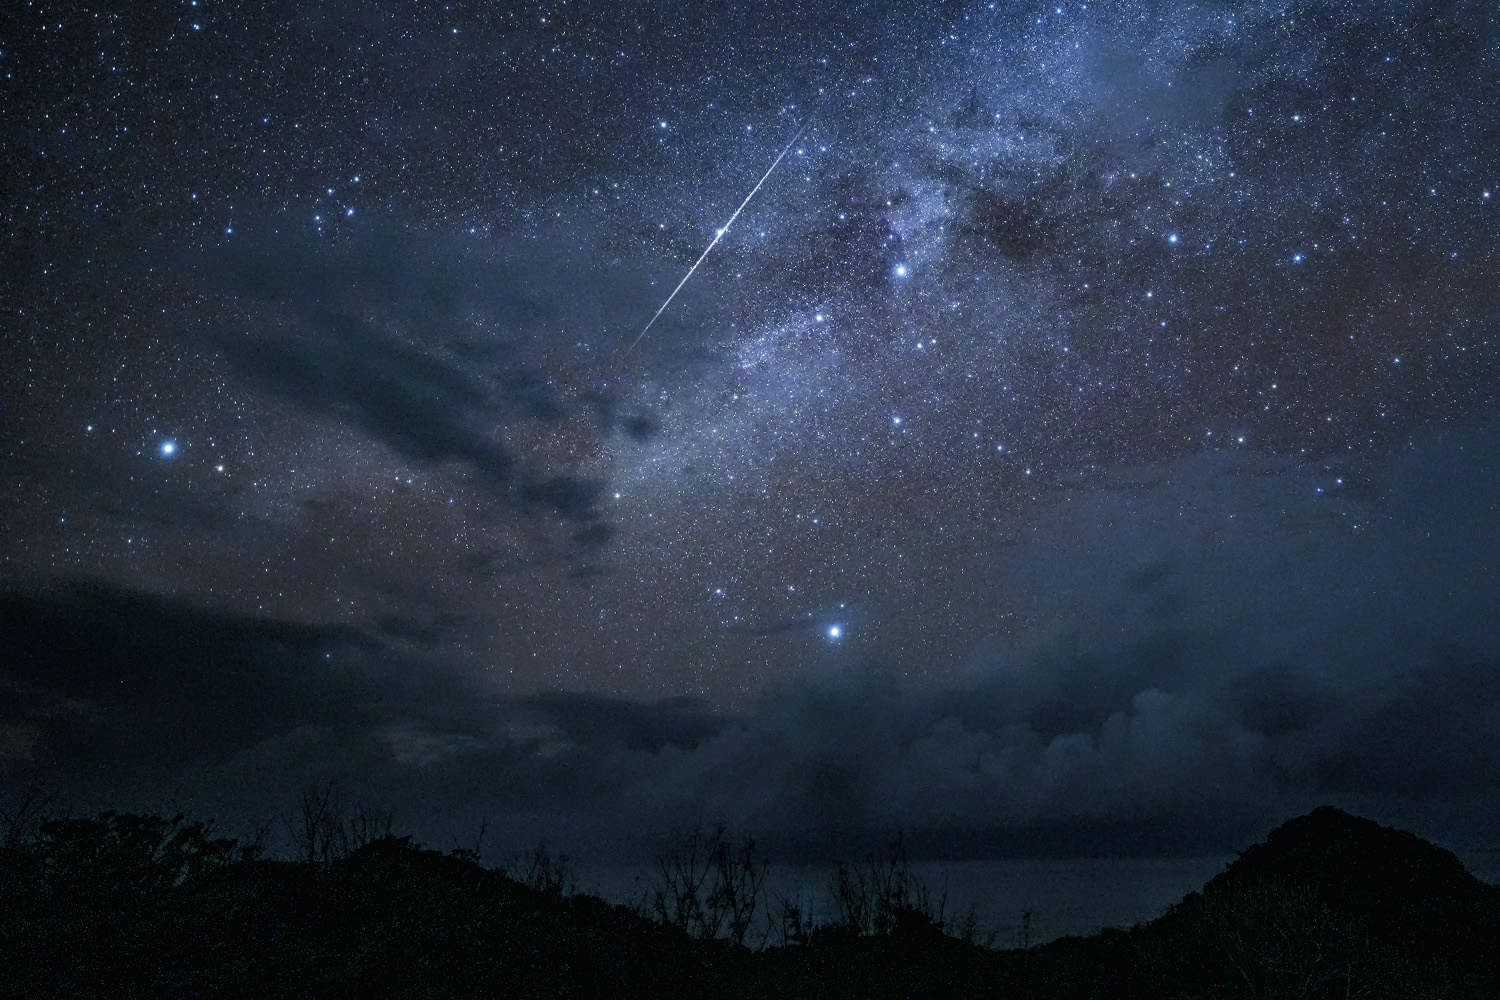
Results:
1330 906
1344 885
1354 864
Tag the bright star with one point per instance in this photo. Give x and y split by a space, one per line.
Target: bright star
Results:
168 448
835 631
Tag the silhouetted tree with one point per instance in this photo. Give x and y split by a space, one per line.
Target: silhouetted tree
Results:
548 874
884 896
709 886
21 814
322 832
737 881
124 854
791 923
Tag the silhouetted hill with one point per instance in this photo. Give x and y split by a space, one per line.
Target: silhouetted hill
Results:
1405 887
1329 905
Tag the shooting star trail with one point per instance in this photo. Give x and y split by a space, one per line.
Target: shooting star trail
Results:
717 237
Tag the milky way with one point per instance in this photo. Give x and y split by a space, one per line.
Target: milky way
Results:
1073 353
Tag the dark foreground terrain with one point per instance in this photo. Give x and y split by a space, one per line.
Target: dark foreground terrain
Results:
130 906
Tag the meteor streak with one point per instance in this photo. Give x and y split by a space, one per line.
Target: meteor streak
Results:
717 236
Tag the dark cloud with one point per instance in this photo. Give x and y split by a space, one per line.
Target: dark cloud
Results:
116 677
418 346
845 615
784 626
1144 708
1146 705
681 723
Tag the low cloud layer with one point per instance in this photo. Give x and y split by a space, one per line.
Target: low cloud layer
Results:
1166 690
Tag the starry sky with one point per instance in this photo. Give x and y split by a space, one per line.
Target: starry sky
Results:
1083 441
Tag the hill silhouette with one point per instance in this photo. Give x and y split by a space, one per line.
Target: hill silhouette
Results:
1329 905
1407 888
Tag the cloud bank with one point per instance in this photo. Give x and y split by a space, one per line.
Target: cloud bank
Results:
1159 687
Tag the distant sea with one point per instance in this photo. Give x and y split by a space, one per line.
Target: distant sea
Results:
1017 900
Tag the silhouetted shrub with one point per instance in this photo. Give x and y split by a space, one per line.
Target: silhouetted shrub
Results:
883 896
710 886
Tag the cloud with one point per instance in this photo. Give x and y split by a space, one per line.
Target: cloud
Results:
1208 647
832 622
418 346
150 677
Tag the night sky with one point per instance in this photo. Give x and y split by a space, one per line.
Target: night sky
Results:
1084 441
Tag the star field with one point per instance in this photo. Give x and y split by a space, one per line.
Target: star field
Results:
1015 251
1059 328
